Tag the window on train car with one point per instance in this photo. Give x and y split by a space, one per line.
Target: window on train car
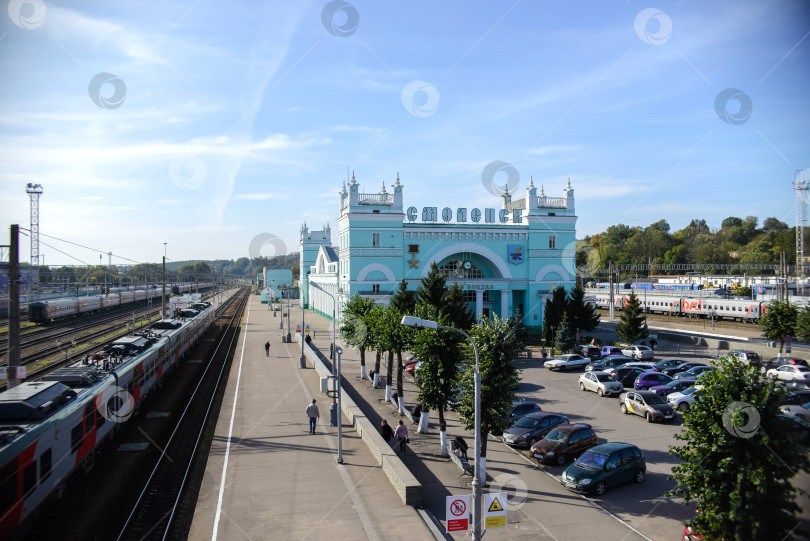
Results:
76 436
29 479
88 417
99 418
45 465
8 485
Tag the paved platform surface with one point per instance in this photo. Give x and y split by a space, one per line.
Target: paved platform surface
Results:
280 482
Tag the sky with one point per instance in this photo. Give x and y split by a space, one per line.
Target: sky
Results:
217 126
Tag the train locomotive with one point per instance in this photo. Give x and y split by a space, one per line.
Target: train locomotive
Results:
732 309
53 309
52 427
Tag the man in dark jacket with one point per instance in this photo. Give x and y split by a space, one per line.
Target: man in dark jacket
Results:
386 431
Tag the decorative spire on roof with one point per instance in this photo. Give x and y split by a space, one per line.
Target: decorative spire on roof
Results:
531 182
568 187
397 182
383 188
353 180
506 190
542 192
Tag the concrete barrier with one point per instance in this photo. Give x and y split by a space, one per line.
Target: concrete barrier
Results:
404 482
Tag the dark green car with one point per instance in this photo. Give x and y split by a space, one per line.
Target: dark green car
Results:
604 466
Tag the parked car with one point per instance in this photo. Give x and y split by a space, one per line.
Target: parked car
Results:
412 367
796 385
605 466
591 352
626 375
646 404
564 442
600 382
569 361
611 361
694 372
611 350
643 366
674 386
651 379
684 399
522 409
789 372
801 411
640 353
776 362
797 427
682 368
746 357
797 398
532 428
665 364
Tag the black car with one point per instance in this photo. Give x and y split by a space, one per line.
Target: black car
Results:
665 364
797 398
523 408
532 428
611 361
694 372
626 375
591 352
776 362
683 367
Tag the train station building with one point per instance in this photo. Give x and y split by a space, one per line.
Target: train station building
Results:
507 258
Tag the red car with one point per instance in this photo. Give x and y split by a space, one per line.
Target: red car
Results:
689 535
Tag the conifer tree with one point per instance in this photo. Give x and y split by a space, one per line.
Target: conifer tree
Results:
632 326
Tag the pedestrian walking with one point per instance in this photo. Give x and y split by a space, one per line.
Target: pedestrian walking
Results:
402 434
267 348
314 415
653 343
331 350
544 353
386 431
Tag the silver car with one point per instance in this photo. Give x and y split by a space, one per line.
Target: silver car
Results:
639 353
600 382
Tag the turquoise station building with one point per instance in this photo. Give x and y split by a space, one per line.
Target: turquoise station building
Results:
508 259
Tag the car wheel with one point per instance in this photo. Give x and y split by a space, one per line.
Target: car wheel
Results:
601 488
684 406
581 386
649 417
639 477
642 388
561 460
623 408
600 392
532 442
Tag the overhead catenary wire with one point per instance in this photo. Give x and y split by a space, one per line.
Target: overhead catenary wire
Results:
58 250
80 246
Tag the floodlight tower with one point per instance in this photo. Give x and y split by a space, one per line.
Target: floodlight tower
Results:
800 186
34 191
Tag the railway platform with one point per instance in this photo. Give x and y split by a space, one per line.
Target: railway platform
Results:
267 477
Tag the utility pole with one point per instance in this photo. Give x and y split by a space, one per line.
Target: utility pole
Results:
34 191
610 284
163 296
14 306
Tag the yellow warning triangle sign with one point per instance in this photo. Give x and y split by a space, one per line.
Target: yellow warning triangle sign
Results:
495 506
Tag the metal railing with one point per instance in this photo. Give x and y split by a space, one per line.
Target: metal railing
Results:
376 199
520 204
552 202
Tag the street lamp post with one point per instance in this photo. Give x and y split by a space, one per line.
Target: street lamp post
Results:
302 360
411 321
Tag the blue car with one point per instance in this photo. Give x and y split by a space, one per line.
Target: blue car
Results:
650 379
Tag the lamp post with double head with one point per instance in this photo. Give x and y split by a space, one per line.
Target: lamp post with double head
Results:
477 484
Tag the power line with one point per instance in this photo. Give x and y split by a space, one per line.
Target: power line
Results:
81 246
58 250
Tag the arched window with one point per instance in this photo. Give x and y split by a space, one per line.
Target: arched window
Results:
460 270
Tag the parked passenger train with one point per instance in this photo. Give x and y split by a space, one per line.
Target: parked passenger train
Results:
51 309
52 427
733 309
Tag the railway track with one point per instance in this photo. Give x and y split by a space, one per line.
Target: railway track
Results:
695 322
159 503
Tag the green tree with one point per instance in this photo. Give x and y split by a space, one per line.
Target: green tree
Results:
779 321
377 341
499 343
564 339
738 457
354 327
581 316
803 324
432 288
403 303
632 326
457 309
554 312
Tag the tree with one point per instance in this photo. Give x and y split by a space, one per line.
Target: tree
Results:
554 312
739 457
774 225
581 316
731 221
564 339
778 321
499 343
432 288
440 352
403 303
457 309
803 324
354 327
632 326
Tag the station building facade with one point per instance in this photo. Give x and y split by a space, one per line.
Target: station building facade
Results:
507 260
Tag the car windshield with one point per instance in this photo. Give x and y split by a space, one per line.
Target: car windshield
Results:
605 377
527 422
591 460
690 390
654 399
675 383
556 436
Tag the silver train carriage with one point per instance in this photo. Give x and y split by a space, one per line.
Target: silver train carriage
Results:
706 307
51 428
